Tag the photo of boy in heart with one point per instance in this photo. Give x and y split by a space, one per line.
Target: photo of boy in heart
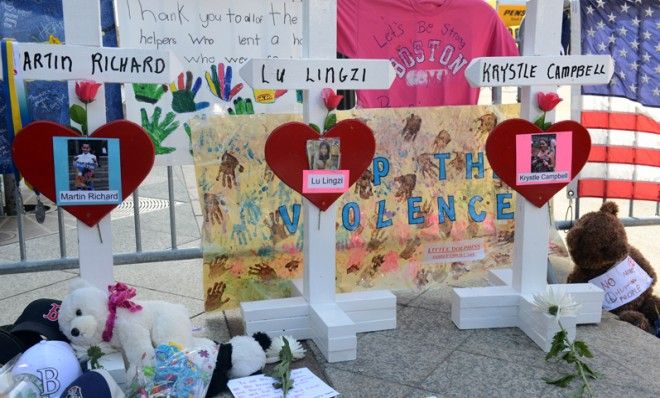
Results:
87 172
323 154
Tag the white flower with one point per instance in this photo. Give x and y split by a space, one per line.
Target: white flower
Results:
273 352
556 302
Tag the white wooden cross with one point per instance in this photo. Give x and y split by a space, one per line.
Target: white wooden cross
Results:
83 58
331 320
510 302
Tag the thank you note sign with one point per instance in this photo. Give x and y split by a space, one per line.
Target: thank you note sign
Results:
622 283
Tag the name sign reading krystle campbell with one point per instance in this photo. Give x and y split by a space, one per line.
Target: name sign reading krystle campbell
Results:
108 65
325 181
531 70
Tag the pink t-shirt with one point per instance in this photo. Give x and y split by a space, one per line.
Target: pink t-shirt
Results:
429 42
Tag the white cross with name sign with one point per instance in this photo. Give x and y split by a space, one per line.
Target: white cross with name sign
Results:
331 320
83 58
510 302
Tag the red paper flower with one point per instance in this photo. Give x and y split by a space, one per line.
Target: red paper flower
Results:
86 90
330 99
547 101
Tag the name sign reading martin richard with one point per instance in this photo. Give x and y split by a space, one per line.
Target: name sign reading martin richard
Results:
109 65
540 70
325 181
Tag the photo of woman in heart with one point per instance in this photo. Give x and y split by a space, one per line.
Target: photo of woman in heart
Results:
323 154
543 153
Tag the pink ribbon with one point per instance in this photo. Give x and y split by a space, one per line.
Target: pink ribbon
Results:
120 295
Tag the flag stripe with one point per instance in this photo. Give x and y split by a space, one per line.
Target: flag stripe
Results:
627 155
624 138
620 121
617 171
619 189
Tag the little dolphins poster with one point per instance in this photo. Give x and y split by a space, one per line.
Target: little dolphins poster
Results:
428 211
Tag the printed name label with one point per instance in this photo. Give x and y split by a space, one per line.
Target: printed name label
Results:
325 181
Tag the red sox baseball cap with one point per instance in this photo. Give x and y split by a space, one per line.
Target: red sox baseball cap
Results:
39 319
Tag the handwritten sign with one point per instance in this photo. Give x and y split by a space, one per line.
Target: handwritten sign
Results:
305 385
622 283
539 70
306 74
325 181
212 39
109 65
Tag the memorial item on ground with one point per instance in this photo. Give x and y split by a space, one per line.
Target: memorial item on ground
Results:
602 255
556 303
88 316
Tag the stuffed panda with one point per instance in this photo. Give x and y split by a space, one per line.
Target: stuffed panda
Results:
239 357
246 355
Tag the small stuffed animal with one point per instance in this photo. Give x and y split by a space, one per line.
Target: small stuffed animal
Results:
597 242
239 357
90 317
246 355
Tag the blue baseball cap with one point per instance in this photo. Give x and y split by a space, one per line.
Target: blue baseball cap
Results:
93 384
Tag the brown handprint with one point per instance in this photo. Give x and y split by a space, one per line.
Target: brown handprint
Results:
428 165
458 269
292 265
212 211
406 185
363 185
376 262
505 236
214 296
425 212
484 125
264 271
458 164
410 248
441 141
410 130
277 229
377 239
353 269
227 170
218 266
422 278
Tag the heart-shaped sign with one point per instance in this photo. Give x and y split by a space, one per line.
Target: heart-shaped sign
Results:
286 154
510 148
33 156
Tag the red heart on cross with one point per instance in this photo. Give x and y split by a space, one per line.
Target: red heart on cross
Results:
502 154
33 156
286 154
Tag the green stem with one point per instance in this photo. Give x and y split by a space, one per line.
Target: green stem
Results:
84 126
578 363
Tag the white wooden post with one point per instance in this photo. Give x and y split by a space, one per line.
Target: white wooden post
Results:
331 320
510 303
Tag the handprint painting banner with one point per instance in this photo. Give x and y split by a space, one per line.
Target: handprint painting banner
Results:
212 40
427 211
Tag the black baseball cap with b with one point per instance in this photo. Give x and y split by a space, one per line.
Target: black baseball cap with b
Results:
39 319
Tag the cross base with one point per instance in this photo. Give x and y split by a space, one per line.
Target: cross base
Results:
502 306
332 326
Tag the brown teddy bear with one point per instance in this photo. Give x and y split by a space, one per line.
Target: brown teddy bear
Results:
597 242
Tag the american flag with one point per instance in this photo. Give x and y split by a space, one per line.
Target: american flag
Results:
622 117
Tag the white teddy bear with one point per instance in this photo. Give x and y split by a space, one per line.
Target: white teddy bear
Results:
90 317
